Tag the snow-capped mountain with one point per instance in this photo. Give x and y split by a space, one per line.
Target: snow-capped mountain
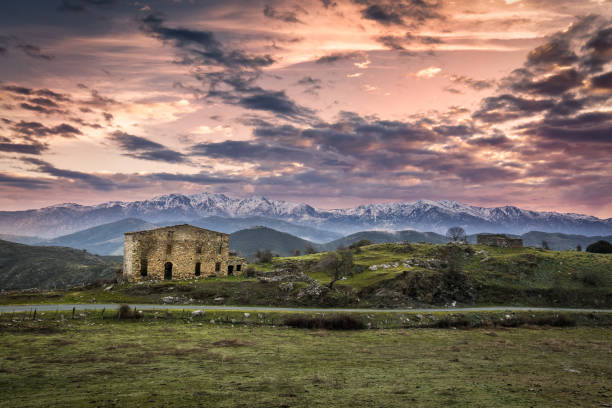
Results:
423 215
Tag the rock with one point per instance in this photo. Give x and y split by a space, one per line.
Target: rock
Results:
108 288
169 299
286 286
197 313
246 314
219 299
314 289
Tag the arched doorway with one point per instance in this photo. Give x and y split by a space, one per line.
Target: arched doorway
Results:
168 271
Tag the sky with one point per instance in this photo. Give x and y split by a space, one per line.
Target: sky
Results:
334 103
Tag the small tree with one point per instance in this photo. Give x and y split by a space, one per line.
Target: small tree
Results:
600 247
360 243
545 245
297 252
264 256
309 250
337 264
456 234
579 248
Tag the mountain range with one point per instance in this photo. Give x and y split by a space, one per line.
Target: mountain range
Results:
423 215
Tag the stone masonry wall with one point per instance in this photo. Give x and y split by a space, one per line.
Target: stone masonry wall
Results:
499 240
184 246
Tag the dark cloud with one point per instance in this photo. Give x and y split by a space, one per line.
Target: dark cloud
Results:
145 149
602 82
599 50
37 129
202 45
311 84
476 84
338 56
329 3
506 107
26 183
3 51
199 178
554 84
399 43
91 180
24 148
34 51
78 6
286 16
276 102
401 12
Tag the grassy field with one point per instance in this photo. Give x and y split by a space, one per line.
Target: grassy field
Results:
180 362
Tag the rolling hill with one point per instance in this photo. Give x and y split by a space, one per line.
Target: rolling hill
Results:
104 239
43 267
248 241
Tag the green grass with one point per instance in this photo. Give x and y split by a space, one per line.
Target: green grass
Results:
181 363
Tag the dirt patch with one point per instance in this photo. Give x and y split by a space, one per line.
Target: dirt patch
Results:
232 343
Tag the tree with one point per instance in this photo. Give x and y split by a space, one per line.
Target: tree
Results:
264 256
456 234
337 264
600 247
545 245
309 250
579 248
360 243
297 252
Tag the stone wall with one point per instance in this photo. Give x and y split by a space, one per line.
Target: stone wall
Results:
236 265
499 240
176 252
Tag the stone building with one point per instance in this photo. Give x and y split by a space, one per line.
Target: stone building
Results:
178 252
499 240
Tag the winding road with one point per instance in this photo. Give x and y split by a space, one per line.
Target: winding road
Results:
100 306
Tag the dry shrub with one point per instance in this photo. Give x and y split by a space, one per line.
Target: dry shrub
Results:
232 343
335 322
126 312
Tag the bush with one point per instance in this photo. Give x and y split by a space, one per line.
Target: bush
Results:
360 243
591 278
126 312
558 320
447 322
335 322
264 256
600 247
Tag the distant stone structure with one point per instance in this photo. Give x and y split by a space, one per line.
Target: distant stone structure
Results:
178 252
499 240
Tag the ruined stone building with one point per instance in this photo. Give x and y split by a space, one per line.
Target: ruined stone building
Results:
178 252
499 240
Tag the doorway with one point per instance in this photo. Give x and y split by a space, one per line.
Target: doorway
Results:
230 270
168 271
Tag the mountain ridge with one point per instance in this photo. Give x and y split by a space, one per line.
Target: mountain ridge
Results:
423 215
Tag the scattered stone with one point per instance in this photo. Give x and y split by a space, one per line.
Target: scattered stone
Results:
219 299
108 288
197 313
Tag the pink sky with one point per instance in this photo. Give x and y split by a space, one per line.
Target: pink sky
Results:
333 103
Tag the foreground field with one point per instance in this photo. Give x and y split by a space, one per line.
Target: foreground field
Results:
58 362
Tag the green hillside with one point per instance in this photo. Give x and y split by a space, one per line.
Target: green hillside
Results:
24 266
106 239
